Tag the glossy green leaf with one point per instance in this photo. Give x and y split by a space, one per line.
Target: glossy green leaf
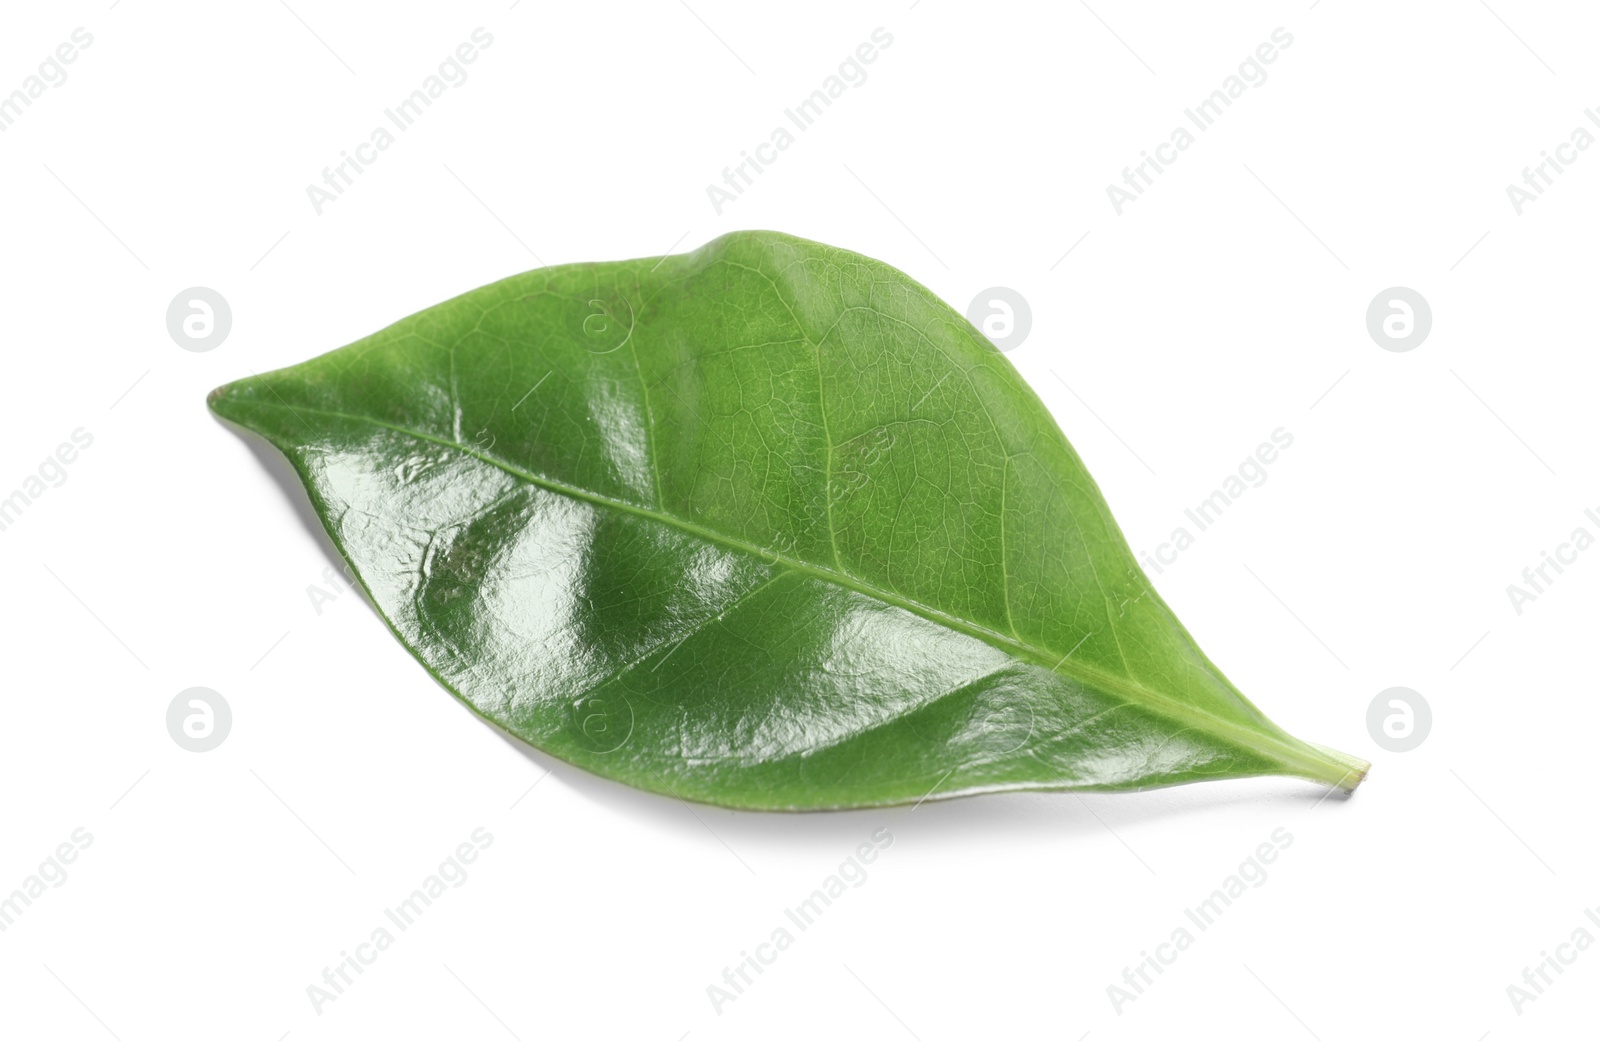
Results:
766 525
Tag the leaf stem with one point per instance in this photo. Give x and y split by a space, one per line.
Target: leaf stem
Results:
1329 766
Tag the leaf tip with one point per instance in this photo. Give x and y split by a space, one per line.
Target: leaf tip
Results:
223 399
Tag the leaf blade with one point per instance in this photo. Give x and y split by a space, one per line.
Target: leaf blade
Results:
723 465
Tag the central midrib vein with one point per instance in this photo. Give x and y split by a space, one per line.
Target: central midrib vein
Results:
1286 747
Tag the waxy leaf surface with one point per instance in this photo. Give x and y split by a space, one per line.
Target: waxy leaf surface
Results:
766 525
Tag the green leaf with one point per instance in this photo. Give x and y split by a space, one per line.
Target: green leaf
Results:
766 525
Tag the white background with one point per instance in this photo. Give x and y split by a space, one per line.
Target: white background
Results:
1226 302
